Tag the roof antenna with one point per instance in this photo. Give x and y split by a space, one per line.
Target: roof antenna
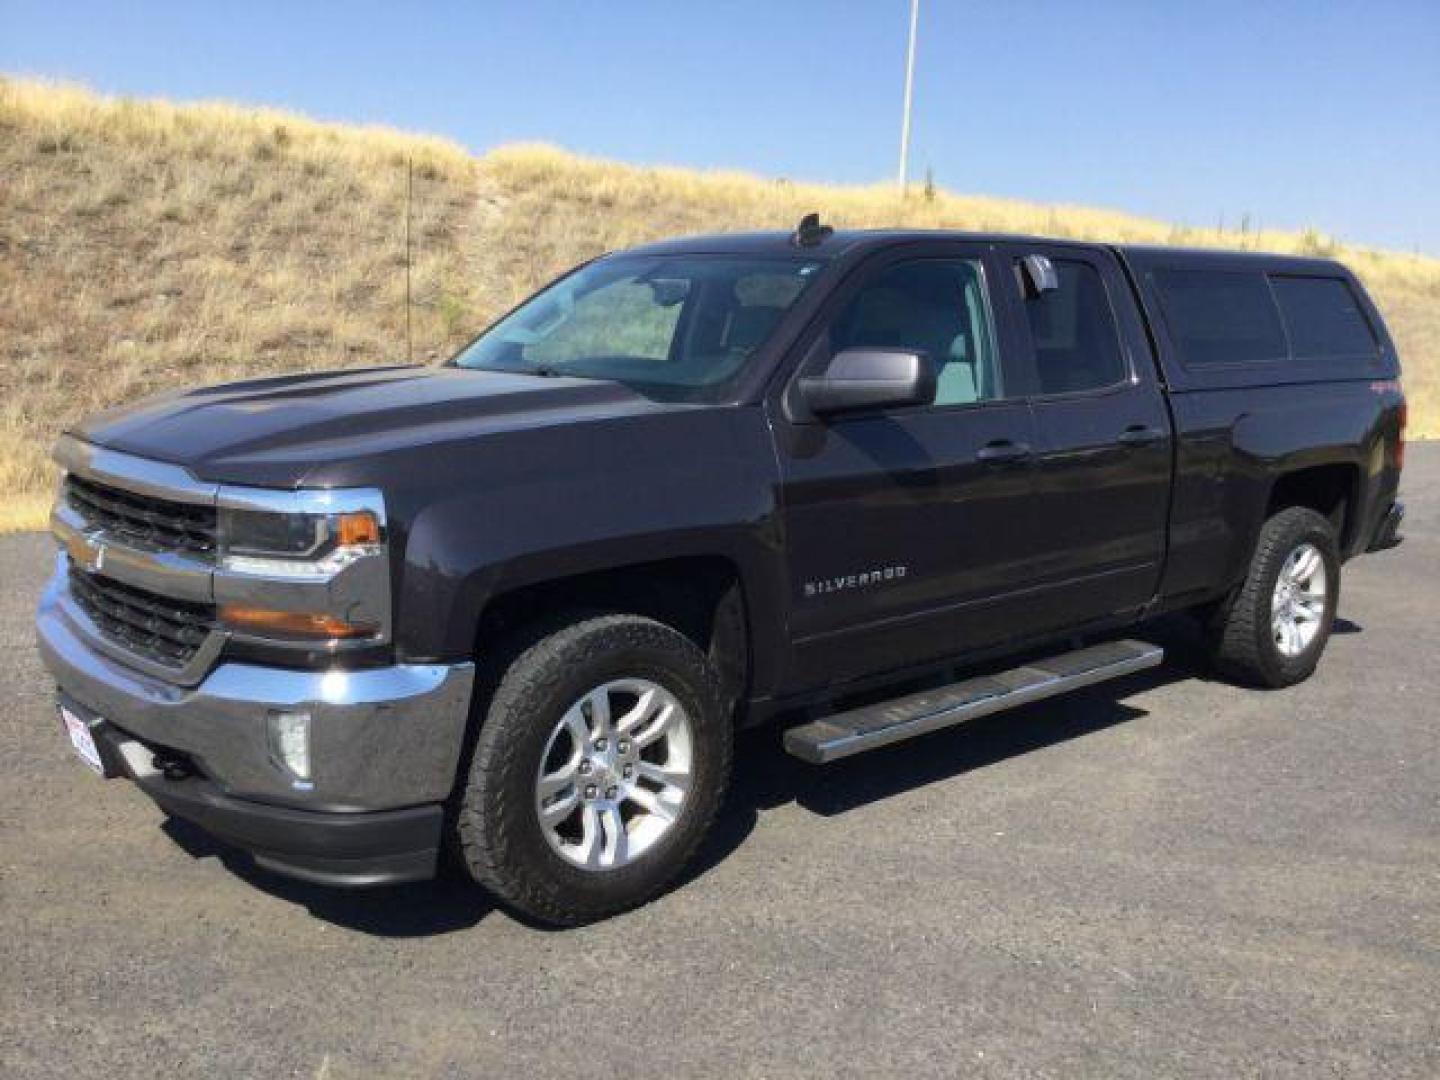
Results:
810 232
409 184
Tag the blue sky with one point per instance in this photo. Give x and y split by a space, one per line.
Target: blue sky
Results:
1297 113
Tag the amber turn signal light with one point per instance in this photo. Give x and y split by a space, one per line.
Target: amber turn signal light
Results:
360 527
292 624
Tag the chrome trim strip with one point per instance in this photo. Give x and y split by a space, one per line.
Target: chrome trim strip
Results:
301 501
165 481
157 479
160 572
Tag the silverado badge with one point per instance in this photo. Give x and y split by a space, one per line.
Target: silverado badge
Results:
863 580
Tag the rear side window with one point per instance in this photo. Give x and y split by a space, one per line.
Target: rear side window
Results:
1323 318
1077 346
1221 317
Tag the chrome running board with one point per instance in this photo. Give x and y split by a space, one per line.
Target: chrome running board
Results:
854 732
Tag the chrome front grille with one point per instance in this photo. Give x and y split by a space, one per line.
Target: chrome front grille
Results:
144 521
164 631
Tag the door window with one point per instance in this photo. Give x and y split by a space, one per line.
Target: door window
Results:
1077 345
932 306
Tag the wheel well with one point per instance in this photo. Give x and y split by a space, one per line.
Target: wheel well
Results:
699 596
1329 490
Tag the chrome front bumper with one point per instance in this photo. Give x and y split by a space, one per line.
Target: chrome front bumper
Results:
381 738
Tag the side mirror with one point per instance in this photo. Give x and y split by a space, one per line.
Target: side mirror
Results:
1037 276
870 378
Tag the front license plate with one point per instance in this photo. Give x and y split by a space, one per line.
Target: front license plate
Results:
82 740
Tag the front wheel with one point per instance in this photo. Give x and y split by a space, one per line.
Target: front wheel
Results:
600 765
1273 630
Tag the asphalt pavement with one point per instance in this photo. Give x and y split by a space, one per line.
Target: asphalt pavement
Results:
1164 876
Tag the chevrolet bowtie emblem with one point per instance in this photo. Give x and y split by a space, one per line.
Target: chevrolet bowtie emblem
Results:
86 552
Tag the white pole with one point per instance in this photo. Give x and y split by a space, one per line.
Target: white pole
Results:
909 93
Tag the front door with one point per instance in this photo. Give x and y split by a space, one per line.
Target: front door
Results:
905 528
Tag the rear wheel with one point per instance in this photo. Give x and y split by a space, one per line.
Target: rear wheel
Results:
1273 631
600 765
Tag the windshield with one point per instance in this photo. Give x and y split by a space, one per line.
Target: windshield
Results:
667 323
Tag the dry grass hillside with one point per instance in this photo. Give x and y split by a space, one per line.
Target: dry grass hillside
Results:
145 245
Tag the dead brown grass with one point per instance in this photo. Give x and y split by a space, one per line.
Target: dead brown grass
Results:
145 245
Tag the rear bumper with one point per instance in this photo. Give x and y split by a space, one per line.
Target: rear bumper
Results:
350 849
1387 529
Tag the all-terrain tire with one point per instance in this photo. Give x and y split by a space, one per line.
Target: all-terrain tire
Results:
502 842
1242 637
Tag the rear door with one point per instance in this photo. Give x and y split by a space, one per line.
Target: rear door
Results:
906 528
1104 443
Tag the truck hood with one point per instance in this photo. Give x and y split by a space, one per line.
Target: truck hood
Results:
274 432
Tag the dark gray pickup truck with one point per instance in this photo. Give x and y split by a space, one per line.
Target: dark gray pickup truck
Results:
511 609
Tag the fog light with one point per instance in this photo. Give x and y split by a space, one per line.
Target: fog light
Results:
290 741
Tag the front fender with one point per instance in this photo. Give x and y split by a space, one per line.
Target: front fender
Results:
663 487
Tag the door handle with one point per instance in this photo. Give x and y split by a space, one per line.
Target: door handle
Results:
1140 435
1002 452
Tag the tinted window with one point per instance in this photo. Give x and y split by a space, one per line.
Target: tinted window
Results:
1220 317
1323 318
1073 327
936 307
664 323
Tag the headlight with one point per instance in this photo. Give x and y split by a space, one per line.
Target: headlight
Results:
303 567
279 544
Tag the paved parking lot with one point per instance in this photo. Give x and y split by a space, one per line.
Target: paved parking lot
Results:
1165 876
